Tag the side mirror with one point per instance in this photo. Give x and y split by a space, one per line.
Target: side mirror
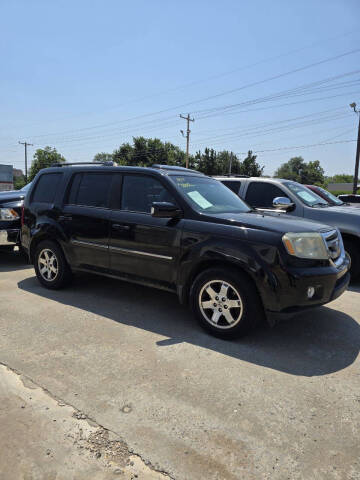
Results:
165 210
283 203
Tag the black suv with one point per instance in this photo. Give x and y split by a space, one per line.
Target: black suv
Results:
179 230
11 203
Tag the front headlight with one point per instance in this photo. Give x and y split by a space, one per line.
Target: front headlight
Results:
8 214
306 245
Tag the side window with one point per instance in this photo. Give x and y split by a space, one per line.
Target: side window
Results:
261 194
233 185
139 192
90 189
46 188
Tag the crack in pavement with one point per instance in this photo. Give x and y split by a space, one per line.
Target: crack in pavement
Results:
48 438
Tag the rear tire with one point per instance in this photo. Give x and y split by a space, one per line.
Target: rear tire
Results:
51 267
226 303
353 249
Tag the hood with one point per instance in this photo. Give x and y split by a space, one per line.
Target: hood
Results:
270 221
347 219
339 208
346 205
11 196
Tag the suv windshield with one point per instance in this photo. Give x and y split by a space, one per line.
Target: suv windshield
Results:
305 194
207 195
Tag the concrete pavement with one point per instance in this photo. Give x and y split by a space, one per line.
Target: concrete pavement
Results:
282 403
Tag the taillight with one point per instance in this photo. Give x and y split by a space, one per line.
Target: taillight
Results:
22 215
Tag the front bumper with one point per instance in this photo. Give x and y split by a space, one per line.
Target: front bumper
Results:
291 297
9 237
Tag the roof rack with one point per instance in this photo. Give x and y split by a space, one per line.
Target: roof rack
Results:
104 164
176 168
231 175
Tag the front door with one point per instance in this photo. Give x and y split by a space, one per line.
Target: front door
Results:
260 195
142 246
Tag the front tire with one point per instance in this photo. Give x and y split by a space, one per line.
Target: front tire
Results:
226 303
354 252
51 267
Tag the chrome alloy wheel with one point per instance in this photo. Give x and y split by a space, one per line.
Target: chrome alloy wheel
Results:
221 304
48 265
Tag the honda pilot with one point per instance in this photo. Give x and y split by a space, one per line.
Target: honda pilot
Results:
178 230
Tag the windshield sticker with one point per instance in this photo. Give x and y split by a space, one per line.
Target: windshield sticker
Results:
306 196
199 199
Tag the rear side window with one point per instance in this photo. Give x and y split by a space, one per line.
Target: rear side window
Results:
46 188
233 185
90 189
139 192
261 194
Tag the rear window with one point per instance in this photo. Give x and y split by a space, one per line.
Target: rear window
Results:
46 188
233 185
90 189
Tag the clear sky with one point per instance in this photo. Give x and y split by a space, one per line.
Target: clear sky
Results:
85 76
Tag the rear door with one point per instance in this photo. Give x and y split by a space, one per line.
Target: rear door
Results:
142 246
85 219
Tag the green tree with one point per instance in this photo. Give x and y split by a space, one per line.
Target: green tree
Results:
103 157
250 167
147 151
207 162
43 158
341 178
314 173
19 182
298 170
225 160
216 163
291 170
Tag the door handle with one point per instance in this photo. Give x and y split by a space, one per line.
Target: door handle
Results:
121 228
65 217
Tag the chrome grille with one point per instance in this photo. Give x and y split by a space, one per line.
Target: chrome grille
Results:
333 243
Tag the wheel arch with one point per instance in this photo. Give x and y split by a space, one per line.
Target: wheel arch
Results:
351 237
185 290
37 240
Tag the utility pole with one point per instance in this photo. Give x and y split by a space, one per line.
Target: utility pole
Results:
357 158
26 145
188 120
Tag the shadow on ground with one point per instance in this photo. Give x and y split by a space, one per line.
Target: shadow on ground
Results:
354 286
318 342
10 262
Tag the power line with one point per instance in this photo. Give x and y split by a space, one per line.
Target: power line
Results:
298 146
166 121
252 84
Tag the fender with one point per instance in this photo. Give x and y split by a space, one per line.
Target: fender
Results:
47 229
255 260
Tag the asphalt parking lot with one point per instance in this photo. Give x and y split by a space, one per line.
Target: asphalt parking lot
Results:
282 403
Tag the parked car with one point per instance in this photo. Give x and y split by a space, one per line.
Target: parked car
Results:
179 230
330 198
11 203
269 194
351 199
